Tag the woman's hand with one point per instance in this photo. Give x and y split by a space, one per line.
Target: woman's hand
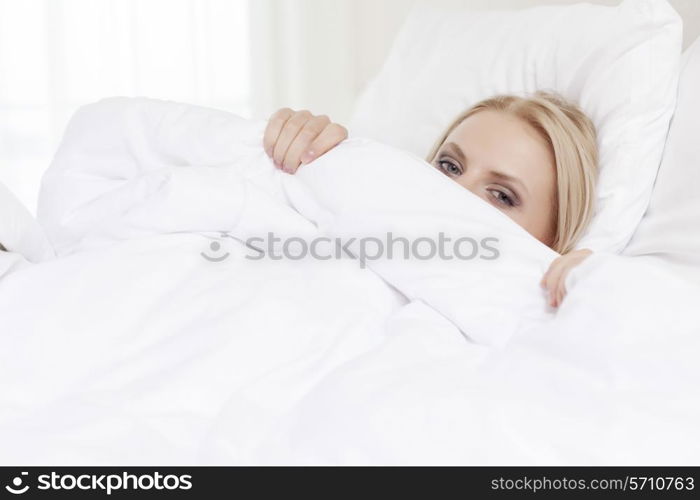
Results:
554 280
294 138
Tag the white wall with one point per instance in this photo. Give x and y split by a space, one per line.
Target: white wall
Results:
319 54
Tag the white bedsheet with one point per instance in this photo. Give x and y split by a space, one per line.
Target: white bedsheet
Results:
132 347
612 380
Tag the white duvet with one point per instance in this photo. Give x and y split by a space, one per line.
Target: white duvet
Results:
153 338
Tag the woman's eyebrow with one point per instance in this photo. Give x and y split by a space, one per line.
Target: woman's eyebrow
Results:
457 151
509 178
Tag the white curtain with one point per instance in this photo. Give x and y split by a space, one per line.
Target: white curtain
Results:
320 54
56 55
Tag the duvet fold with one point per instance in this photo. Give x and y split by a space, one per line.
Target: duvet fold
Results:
131 168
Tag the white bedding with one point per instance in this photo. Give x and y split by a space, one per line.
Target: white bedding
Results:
133 348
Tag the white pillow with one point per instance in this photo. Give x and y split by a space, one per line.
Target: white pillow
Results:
620 64
20 234
671 226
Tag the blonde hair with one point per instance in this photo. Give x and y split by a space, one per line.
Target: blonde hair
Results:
572 139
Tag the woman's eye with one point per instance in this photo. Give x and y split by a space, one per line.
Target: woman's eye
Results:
449 168
502 198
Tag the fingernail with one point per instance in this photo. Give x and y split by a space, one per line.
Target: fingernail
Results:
307 156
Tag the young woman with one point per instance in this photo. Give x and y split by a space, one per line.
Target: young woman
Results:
534 158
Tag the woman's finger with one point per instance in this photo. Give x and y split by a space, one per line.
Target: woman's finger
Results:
290 130
552 267
302 141
546 281
553 284
554 280
561 288
329 138
274 127
545 277
556 292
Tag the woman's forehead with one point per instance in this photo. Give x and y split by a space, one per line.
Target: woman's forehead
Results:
502 142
